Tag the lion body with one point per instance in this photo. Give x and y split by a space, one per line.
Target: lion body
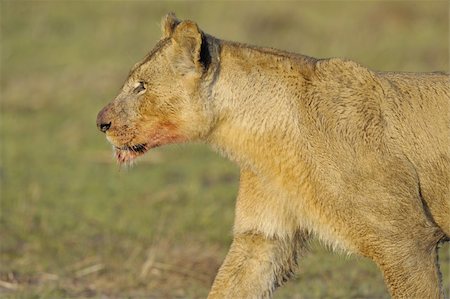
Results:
327 148
334 128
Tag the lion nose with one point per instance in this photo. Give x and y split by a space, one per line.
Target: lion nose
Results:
103 124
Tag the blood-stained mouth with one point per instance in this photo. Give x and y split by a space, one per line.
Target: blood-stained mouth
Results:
126 154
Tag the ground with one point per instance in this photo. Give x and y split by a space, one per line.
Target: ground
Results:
73 224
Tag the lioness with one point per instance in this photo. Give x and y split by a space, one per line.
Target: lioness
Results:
326 147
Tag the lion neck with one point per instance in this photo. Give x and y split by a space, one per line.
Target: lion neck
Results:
255 102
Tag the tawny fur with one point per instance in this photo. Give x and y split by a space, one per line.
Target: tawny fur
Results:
327 148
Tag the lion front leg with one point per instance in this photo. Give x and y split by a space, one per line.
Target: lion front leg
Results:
255 266
265 247
410 267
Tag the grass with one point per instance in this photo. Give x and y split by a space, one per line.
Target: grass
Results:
74 225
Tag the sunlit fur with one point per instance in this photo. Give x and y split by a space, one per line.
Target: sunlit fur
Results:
327 148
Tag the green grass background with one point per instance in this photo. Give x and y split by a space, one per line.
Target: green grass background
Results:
74 225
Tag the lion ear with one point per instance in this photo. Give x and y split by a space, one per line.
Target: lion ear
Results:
168 24
187 39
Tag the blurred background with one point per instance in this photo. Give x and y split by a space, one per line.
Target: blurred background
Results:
73 224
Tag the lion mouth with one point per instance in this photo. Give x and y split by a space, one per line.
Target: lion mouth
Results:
126 154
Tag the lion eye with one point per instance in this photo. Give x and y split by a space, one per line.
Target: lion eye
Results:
140 87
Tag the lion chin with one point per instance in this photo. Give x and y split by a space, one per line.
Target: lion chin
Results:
127 154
